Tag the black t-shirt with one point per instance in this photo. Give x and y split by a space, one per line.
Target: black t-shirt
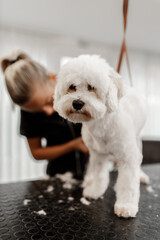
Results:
55 130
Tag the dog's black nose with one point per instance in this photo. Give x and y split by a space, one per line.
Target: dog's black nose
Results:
77 104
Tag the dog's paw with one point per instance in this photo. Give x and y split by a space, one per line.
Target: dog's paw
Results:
144 178
91 192
125 210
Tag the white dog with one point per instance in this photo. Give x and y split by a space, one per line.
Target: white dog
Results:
88 90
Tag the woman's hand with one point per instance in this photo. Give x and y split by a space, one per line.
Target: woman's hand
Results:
79 145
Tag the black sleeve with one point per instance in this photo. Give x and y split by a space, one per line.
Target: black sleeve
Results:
30 126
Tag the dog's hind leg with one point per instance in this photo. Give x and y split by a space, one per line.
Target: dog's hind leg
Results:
97 176
144 178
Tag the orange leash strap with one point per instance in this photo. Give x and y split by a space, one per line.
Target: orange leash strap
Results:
124 46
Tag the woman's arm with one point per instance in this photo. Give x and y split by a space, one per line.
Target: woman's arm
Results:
53 152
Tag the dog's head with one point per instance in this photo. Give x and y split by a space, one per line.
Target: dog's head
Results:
86 88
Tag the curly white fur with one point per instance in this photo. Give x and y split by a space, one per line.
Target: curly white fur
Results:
112 116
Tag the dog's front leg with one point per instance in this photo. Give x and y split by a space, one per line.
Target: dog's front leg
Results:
127 190
97 176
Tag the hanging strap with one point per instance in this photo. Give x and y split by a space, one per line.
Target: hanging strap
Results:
124 46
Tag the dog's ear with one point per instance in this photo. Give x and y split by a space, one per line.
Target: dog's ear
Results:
115 92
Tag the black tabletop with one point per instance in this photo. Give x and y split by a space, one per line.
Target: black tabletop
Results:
68 218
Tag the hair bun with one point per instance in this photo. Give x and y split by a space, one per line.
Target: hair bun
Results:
12 58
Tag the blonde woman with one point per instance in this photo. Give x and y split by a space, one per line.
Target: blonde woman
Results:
32 88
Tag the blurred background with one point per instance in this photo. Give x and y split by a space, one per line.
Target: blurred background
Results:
52 31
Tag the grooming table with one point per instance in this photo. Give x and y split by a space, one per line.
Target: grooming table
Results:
68 218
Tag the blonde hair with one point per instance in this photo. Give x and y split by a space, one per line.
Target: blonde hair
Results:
21 72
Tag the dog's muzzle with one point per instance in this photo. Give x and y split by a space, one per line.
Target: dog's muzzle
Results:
78 104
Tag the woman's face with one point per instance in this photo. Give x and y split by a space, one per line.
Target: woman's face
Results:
42 100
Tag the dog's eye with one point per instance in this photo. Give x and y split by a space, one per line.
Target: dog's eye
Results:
90 88
72 87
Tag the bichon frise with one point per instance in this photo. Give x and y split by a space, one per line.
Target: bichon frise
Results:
88 90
